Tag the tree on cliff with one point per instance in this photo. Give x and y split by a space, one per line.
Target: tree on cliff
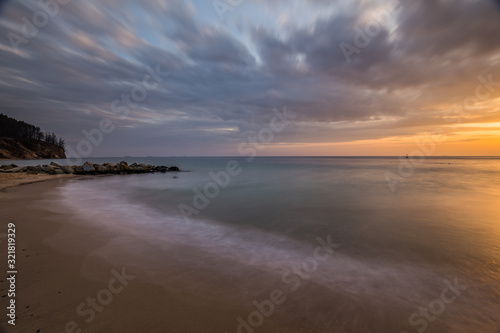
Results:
12 128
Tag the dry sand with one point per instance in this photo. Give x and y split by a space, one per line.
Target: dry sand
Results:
59 269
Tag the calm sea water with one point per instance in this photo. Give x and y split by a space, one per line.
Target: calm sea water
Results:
396 248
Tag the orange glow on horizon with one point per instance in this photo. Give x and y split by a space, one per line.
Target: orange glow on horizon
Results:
480 140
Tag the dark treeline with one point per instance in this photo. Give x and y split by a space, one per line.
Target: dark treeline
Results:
12 128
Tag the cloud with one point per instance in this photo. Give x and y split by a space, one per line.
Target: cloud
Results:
224 80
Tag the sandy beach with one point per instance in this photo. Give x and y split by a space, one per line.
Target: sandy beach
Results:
60 274
8 180
107 253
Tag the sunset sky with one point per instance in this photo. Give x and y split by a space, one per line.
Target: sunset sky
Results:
361 77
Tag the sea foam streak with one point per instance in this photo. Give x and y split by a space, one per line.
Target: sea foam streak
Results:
269 252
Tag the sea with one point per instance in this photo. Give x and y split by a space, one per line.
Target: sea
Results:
355 244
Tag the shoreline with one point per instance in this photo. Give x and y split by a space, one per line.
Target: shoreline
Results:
60 266
13 180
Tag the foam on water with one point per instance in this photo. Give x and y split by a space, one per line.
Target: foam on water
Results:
246 247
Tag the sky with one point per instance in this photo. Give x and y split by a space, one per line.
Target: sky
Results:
208 78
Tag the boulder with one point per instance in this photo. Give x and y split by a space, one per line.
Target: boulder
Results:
58 171
100 168
35 168
160 168
15 170
145 168
124 168
47 168
8 166
173 168
110 168
67 169
54 164
88 167
78 170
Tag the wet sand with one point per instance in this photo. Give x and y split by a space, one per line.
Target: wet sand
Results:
62 270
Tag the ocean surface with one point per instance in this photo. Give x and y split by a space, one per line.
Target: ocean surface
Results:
403 234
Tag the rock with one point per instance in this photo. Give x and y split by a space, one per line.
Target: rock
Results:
78 170
110 168
173 168
67 169
160 168
47 168
100 168
36 168
8 166
31 172
15 170
58 171
123 167
88 167
54 164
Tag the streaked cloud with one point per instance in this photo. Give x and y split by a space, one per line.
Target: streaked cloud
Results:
226 76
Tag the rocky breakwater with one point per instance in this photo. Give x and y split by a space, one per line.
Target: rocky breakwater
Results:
88 168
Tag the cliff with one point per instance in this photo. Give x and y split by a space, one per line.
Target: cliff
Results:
11 149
